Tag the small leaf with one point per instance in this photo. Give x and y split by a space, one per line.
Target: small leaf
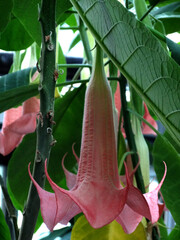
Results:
75 41
4 229
113 231
164 151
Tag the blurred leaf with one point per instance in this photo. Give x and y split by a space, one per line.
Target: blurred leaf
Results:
61 7
15 79
5 13
75 41
16 96
139 57
170 16
15 37
164 151
68 118
27 13
163 229
113 231
4 229
175 234
57 233
175 50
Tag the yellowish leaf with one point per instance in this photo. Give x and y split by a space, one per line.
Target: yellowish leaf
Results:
113 231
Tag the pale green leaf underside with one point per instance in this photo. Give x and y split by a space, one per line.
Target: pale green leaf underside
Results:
138 55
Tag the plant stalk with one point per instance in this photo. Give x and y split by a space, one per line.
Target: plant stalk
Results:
129 134
45 118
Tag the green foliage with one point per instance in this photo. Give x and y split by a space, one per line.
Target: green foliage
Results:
4 229
175 234
15 37
113 231
15 79
5 13
170 17
138 55
164 151
68 111
16 96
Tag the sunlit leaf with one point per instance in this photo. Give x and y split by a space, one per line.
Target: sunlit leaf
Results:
113 231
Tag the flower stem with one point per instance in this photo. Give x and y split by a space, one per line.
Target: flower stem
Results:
45 118
129 134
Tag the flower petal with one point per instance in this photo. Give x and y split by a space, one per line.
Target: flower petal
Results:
135 199
152 200
129 219
70 177
100 203
55 207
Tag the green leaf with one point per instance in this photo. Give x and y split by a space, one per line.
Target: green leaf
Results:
175 234
164 151
75 41
5 13
27 13
61 7
170 16
4 229
163 229
138 55
57 233
15 79
15 37
16 96
175 50
68 113
113 231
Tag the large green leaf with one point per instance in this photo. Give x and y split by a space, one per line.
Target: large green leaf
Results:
4 230
164 151
68 118
113 231
5 13
138 55
15 37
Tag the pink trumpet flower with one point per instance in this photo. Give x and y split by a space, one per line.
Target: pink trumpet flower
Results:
18 122
96 190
